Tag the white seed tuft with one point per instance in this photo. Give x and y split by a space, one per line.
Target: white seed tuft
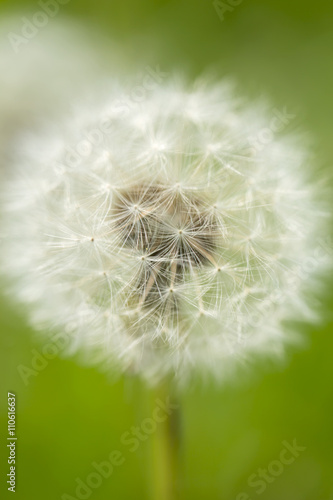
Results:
162 244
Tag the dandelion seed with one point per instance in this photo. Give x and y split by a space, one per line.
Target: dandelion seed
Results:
158 249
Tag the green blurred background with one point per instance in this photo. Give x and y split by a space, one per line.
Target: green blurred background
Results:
70 416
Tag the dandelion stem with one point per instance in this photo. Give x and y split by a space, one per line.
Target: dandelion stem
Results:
166 466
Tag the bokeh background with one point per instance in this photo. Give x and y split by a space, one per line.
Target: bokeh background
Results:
70 415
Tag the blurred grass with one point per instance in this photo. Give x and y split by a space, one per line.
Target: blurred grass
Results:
69 416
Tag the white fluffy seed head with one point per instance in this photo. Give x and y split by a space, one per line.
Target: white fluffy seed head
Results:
39 75
157 237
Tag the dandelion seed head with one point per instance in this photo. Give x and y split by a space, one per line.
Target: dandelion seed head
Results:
160 244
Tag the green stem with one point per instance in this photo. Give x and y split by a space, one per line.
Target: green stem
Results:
166 466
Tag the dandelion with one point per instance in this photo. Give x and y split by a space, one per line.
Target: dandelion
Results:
39 77
156 237
161 239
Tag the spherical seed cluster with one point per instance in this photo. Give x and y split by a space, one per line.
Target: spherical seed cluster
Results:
157 237
39 76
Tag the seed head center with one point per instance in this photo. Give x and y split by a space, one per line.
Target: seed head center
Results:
152 233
